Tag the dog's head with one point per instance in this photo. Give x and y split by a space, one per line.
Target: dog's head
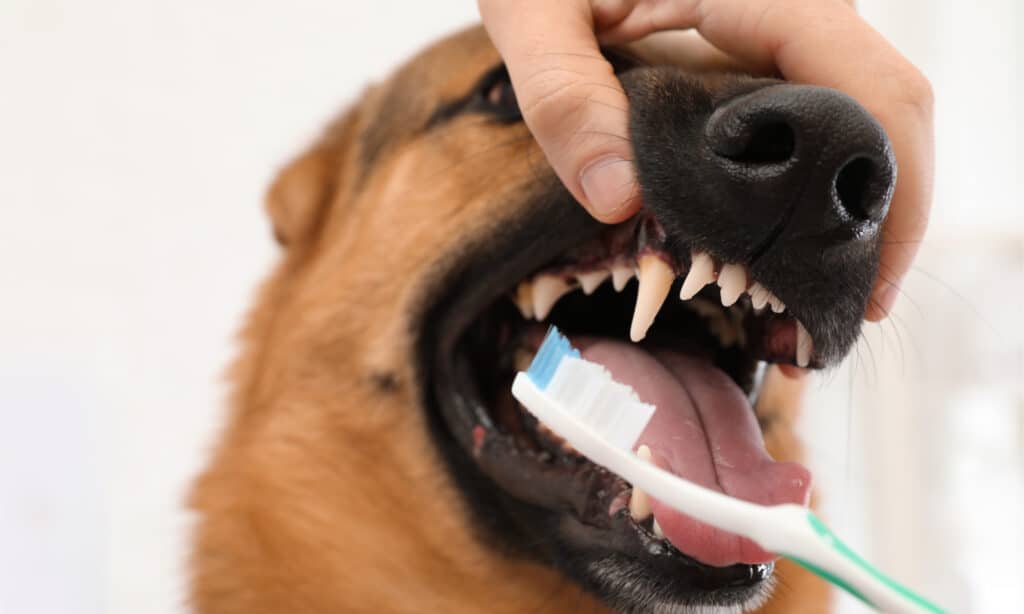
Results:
425 236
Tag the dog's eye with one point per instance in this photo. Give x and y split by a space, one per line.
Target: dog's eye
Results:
496 97
501 96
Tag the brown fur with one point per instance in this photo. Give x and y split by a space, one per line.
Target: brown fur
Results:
326 493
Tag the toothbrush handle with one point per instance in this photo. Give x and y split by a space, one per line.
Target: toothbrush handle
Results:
823 553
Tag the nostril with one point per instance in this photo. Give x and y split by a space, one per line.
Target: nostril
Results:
769 143
854 189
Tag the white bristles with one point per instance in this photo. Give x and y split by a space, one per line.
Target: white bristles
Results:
613 410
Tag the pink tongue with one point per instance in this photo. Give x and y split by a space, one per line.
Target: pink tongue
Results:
705 431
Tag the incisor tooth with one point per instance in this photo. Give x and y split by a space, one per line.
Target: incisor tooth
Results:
621 274
702 272
777 305
524 299
804 345
656 279
639 502
592 280
732 279
758 296
657 530
547 289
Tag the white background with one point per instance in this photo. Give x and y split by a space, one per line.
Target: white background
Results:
136 140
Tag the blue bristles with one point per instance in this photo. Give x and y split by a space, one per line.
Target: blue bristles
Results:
549 356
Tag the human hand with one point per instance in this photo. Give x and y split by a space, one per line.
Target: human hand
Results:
577 110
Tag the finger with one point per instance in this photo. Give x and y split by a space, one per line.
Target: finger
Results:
570 99
825 42
685 49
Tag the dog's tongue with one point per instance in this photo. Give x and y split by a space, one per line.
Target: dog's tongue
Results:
704 430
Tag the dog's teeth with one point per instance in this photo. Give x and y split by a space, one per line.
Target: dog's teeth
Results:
717 319
621 274
639 501
758 296
804 345
656 278
592 280
733 281
547 289
657 530
777 305
702 272
524 299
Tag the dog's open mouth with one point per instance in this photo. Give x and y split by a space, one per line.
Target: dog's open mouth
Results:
692 338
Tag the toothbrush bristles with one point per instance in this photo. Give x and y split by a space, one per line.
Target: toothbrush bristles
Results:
587 391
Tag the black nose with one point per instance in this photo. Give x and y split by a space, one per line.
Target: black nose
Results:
789 143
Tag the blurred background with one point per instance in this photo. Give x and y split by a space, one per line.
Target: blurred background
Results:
136 141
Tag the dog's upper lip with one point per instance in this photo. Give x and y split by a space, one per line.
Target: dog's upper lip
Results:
549 225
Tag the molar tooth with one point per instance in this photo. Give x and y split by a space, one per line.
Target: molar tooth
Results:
591 280
547 289
639 501
656 278
732 279
524 299
804 345
702 272
657 530
718 320
621 274
777 305
758 296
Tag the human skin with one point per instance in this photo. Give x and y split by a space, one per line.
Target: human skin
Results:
578 112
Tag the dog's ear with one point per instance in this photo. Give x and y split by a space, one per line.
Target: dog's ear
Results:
303 190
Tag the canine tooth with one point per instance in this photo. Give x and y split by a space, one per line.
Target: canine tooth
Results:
657 530
702 272
777 305
758 296
592 280
639 501
547 289
621 274
733 281
524 299
804 345
656 278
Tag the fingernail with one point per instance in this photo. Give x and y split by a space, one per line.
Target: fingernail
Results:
609 184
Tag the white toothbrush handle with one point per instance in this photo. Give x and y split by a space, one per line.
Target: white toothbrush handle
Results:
799 535
789 530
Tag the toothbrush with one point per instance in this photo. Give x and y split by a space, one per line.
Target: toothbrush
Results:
602 419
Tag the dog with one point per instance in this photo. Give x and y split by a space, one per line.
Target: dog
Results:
373 459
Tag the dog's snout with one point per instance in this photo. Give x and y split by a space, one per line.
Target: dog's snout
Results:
787 142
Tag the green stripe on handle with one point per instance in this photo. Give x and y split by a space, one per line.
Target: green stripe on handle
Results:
836 543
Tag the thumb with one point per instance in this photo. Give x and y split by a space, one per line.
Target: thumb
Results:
570 99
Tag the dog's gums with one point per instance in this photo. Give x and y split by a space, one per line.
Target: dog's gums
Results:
702 352
749 313
427 245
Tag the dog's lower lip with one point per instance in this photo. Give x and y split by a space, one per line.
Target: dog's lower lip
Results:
578 493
